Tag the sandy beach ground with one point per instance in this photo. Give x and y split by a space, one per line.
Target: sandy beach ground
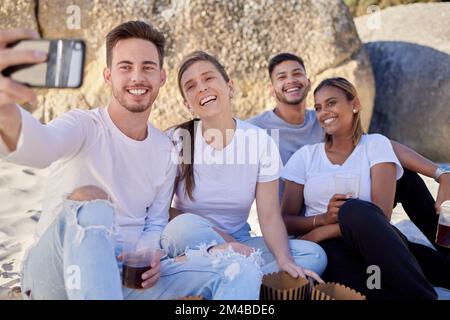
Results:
21 192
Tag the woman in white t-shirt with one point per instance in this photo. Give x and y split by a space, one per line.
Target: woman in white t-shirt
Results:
226 165
364 251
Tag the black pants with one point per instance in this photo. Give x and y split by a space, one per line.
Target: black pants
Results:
418 203
369 239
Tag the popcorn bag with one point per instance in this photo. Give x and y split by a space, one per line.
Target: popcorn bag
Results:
334 291
190 298
281 286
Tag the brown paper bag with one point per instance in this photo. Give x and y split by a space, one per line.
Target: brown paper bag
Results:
190 298
281 286
334 291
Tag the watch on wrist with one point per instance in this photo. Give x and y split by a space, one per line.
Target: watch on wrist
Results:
440 171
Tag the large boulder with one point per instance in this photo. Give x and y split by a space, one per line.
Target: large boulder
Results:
243 34
18 14
410 54
361 7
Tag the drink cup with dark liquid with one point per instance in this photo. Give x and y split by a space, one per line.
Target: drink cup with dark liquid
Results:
443 229
134 265
138 254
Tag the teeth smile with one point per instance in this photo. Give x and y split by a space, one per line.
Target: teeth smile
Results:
137 92
293 89
329 120
207 99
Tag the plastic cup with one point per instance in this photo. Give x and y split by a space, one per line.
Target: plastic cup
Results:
347 183
443 229
137 255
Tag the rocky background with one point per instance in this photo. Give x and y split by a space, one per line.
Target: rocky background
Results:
243 34
359 7
410 54
404 59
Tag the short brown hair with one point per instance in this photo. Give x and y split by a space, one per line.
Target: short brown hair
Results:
282 57
135 29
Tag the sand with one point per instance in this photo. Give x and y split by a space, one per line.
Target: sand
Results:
21 192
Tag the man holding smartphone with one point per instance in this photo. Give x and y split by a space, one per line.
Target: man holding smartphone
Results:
110 171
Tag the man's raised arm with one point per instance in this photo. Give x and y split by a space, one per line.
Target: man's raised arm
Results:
12 92
23 139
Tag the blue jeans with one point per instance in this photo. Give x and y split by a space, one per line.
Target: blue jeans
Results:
76 259
189 231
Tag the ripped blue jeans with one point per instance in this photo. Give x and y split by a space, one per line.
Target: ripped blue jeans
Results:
188 231
76 259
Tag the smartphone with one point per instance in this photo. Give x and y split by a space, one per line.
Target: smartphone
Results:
63 68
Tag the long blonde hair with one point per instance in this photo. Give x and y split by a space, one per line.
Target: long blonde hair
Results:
350 92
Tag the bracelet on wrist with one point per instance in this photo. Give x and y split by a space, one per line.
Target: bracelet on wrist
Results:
442 169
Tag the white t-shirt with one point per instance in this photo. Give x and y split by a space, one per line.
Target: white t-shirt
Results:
311 167
86 148
225 180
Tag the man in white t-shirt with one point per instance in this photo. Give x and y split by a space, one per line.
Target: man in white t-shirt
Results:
111 172
298 126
